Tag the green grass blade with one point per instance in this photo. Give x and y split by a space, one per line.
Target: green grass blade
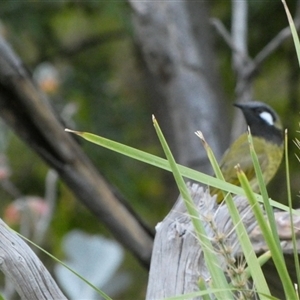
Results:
202 287
164 164
264 192
297 47
294 238
262 259
268 236
213 161
106 297
194 295
155 161
293 30
211 259
246 245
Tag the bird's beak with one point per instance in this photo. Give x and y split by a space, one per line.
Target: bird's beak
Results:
238 105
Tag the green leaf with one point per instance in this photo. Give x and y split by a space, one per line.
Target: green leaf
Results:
261 285
202 287
294 238
268 236
211 259
106 297
163 164
264 193
293 30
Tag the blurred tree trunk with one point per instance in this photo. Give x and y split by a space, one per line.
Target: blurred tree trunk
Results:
175 38
176 43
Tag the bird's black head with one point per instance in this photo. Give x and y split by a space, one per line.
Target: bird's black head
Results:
263 121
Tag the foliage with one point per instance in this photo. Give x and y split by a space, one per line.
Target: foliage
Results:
99 71
220 287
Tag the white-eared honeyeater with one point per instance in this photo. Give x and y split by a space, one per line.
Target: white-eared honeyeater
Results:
267 134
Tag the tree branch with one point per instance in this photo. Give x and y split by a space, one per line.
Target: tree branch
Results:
273 46
28 112
225 34
19 263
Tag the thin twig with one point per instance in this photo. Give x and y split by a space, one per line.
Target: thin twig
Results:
239 33
50 197
274 44
225 34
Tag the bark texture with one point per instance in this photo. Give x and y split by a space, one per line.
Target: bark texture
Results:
19 263
178 261
176 43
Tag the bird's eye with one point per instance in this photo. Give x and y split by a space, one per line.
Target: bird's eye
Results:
267 117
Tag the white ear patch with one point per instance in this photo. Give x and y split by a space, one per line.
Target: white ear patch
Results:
267 117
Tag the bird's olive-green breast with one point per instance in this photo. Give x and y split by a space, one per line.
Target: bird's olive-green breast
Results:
266 130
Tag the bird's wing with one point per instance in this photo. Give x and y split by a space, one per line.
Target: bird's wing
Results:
239 153
242 157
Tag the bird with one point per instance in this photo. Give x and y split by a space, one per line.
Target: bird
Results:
267 134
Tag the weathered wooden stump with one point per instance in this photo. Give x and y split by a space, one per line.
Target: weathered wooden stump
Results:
19 263
177 259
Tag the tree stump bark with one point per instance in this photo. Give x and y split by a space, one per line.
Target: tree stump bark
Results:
177 259
20 264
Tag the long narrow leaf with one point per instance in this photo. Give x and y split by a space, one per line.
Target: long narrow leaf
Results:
264 193
267 233
293 30
262 259
106 297
211 259
202 287
246 245
163 164
294 238
155 161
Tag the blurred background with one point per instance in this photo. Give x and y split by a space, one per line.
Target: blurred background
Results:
85 56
